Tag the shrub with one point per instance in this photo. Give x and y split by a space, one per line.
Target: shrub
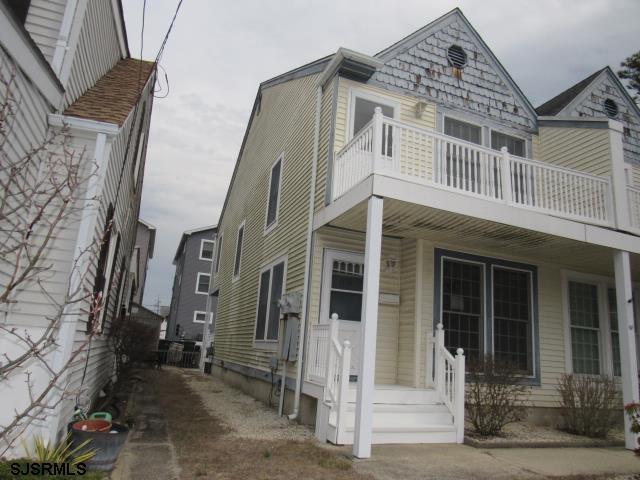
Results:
588 404
495 395
633 411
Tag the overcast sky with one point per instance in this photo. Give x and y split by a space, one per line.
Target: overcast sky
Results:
220 51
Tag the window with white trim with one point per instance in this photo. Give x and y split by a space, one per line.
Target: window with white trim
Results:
202 283
363 109
199 316
463 130
272 280
218 251
206 249
273 202
238 257
515 145
343 282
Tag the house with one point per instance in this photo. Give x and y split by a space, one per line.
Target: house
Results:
189 298
425 214
142 253
70 72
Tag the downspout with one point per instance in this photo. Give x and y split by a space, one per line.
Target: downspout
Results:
308 255
62 44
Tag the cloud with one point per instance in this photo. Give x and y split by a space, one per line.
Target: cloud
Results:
219 52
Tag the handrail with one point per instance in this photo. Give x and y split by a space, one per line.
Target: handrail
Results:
337 378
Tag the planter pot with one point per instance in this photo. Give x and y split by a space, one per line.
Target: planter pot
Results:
107 443
92 425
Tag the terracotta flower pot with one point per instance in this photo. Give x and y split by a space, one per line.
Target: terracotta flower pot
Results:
92 426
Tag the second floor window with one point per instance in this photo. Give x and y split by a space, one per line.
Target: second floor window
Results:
202 283
206 249
515 145
463 130
274 194
238 258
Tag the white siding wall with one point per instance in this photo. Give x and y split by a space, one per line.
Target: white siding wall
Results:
43 24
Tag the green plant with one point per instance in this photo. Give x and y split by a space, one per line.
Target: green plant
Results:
62 453
588 404
633 411
495 395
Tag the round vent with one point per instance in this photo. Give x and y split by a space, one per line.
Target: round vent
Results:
610 108
456 56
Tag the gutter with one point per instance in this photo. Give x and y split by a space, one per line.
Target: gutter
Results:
349 55
308 250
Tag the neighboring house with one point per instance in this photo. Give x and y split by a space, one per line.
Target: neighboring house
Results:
420 187
142 253
72 68
193 260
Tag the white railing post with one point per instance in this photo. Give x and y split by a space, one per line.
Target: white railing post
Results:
505 176
428 380
459 395
377 139
439 359
343 391
618 177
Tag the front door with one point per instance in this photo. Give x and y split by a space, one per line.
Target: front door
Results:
342 285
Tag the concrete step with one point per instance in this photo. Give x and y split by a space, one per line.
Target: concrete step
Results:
392 415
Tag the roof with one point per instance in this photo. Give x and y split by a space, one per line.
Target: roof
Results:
557 103
186 234
114 95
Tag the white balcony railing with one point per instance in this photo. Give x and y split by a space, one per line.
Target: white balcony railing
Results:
393 148
633 194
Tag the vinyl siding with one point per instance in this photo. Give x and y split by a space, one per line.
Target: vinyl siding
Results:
43 24
408 329
284 125
584 149
97 50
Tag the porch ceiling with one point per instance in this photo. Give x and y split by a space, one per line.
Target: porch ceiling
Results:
407 220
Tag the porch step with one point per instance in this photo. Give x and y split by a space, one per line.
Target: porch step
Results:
408 434
393 414
397 394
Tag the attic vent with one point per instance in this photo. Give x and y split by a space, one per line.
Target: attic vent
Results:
456 56
610 108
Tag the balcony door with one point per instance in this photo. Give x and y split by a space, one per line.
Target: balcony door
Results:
342 290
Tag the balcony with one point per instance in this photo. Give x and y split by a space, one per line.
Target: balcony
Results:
395 149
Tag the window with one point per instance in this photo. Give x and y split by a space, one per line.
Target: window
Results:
199 316
268 312
515 145
615 336
206 249
463 130
343 281
363 110
274 195
585 327
487 306
238 258
202 283
218 254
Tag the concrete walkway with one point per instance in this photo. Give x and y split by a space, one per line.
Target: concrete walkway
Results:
410 462
148 453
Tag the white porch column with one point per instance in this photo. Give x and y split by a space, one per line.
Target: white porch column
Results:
369 324
624 304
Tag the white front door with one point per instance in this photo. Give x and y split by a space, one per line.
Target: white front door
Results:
342 283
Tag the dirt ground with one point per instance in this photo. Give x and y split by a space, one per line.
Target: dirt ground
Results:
209 447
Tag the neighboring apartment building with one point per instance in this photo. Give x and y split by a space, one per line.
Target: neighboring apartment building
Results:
142 253
70 68
193 260
418 195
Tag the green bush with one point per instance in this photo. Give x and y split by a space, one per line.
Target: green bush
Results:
589 404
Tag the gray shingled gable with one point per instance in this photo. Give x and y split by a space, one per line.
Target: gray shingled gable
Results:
418 64
555 105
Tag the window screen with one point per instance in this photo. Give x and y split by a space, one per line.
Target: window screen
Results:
462 130
346 290
462 311
585 327
515 146
512 317
274 193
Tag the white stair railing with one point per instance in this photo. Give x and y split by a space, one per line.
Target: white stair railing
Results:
446 374
337 379
317 351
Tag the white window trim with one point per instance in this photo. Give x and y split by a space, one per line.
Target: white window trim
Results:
269 228
331 254
355 92
218 256
236 276
202 242
198 282
195 315
603 283
264 344
509 134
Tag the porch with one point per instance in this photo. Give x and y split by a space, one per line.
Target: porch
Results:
404 247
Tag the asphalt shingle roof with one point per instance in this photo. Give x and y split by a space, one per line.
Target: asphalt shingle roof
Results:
115 94
557 103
